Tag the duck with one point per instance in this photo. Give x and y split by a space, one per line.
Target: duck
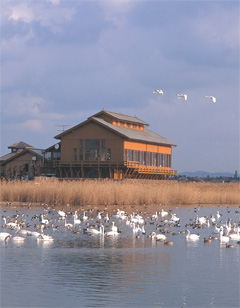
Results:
229 246
168 242
192 237
205 240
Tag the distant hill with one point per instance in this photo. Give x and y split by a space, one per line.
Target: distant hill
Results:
203 174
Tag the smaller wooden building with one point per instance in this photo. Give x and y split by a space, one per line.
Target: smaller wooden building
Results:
114 145
24 162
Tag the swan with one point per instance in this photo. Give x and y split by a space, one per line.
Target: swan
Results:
192 237
67 224
99 217
218 215
164 213
92 231
76 221
155 216
222 238
114 228
235 236
106 218
212 98
4 236
158 237
182 95
44 237
43 220
84 216
61 213
10 224
158 92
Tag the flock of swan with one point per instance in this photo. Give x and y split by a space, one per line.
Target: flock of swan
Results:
159 225
184 96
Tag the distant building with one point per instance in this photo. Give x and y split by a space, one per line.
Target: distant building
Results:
113 145
24 161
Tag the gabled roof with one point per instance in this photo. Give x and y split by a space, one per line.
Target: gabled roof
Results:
145 135
8 157
121 117
20 145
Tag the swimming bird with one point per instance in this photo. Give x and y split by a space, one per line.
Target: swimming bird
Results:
4 236
164 213
182 95
222 238
168 242
212 98
158 92
158 237
192 237
205 240
229 245
61 213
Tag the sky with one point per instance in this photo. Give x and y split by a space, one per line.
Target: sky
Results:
63 61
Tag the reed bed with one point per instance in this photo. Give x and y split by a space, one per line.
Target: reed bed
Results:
126 192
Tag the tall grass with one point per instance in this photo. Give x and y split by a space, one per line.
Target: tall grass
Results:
127 192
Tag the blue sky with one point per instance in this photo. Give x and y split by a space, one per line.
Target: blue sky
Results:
63 61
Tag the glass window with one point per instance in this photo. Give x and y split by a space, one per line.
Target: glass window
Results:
92 149
103 150
108 154
75 154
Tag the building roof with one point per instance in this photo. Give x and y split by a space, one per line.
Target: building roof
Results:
8 157
145 135
121 117
20 145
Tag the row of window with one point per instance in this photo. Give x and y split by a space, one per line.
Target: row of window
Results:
148 158
92 149
127 124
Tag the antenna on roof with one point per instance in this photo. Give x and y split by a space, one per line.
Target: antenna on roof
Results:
63 127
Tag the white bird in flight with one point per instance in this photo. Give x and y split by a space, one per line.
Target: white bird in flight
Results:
158 91
182 95
212 98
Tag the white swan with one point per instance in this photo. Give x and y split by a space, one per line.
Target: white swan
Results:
92 231
158 92
164 213
158 237
4 236
67 224
182 95
106 218
155 216
235 236
223 239
192 237
61 213
76 221
84 216
44 237
212 98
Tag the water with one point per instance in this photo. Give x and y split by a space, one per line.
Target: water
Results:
76 270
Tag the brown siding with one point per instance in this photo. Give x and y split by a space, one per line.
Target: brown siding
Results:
91 131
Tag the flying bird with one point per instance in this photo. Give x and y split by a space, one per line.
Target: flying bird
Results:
212 98
182 95
158 92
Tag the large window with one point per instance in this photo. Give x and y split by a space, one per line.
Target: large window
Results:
92 149
81 149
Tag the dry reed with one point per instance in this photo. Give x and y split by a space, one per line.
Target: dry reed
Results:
126 192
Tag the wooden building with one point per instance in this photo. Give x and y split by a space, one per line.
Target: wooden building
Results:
24 162
114 145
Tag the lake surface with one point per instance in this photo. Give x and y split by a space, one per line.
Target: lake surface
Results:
77 270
